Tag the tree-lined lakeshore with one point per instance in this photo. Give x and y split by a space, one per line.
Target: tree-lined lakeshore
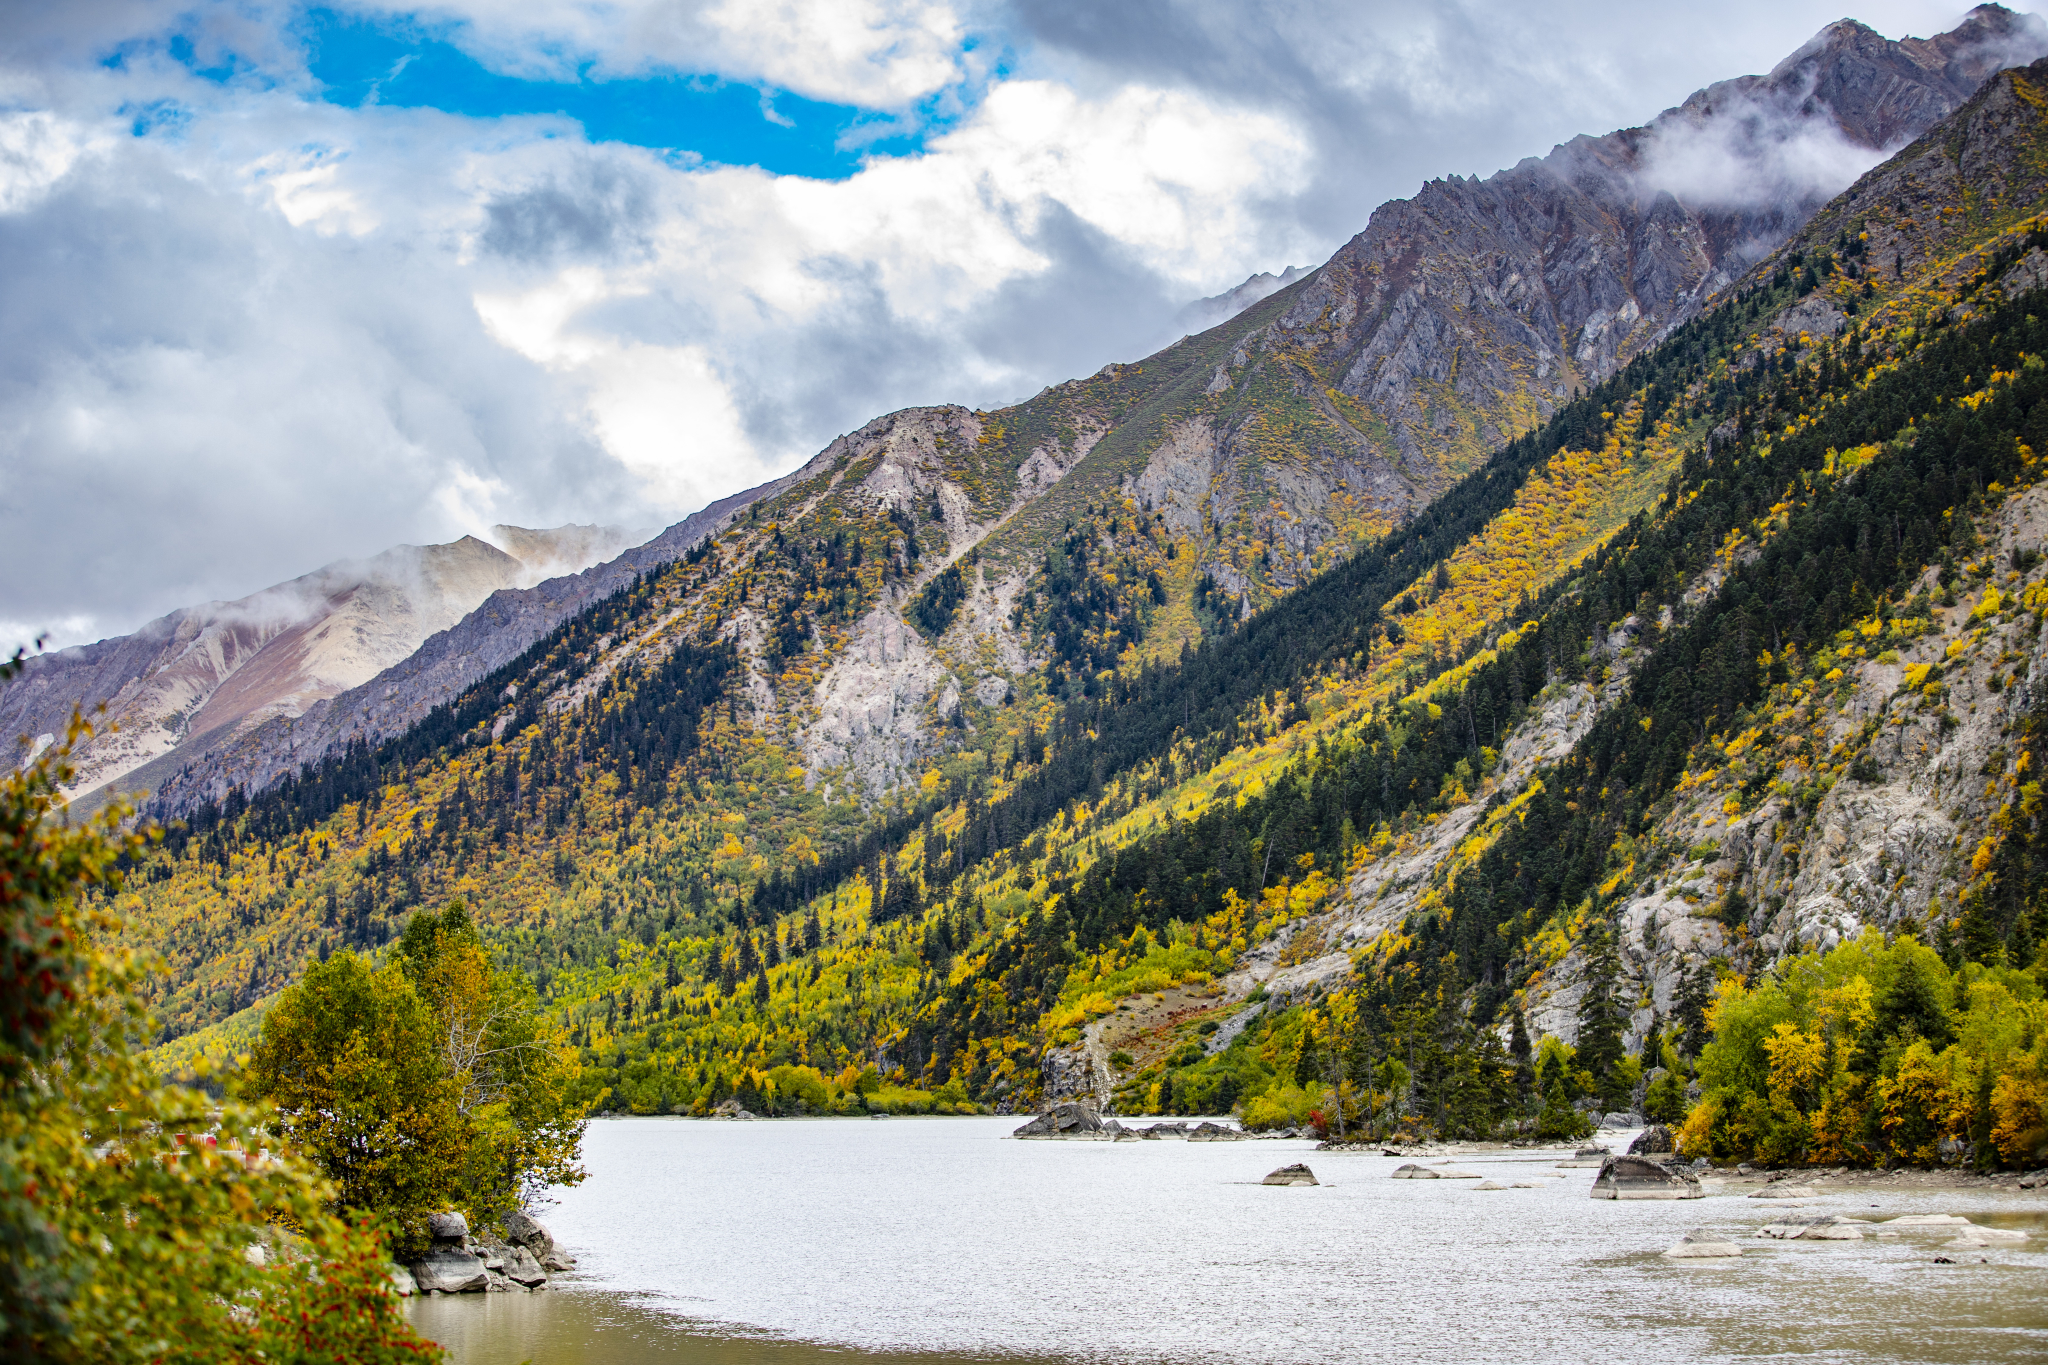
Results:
270 1212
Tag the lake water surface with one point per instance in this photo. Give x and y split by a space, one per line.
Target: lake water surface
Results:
863 1242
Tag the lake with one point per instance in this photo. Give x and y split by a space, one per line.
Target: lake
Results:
854 1241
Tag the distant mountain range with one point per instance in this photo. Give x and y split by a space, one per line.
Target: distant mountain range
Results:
203 673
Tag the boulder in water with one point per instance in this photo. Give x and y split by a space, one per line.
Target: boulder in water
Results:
522 1229
1208 1131
1411 1171
1297 1174
524 1268
1491 1185
1699 1244
1063 1121
1636 1177
402 1282
450 1270
1652 1141
1820 1227
1928 1220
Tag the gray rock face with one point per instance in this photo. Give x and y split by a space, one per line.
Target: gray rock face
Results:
1556 272
1297 1174
1634 1177
1063 1121
449 1270
402 1282
1652 1141
528 1239
447 1227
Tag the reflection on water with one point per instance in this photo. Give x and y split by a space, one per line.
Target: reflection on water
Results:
852 1241
587 1326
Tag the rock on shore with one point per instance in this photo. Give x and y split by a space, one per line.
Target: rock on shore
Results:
460 1264
450 1270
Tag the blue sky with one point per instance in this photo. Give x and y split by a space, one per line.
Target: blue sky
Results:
413 61
406 63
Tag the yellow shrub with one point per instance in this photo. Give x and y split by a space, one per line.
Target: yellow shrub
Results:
2019 1112
1921 1105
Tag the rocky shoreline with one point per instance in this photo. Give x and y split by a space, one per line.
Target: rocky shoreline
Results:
519 1262
1646 1169
1074 1121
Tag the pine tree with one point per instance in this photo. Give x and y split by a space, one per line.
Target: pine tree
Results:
1519 1050
1600 1016
1689 1013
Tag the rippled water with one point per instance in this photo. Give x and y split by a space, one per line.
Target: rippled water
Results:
794 1243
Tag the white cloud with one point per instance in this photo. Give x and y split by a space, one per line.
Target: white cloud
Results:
36 150
878 54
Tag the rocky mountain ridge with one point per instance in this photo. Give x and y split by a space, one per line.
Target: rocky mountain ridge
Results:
200 674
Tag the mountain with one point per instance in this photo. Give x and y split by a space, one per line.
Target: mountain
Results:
1203 314
1310 421
201 673
958 771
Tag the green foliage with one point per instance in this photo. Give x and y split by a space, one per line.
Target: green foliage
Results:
134 1218
422 1085
935 604
1876 1053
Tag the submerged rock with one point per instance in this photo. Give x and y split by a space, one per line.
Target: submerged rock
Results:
1785 1192
1973 1238
1820 1227
1297 1174
1927 1220
1699 1244
1635 1177
450 1270
1493 1185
